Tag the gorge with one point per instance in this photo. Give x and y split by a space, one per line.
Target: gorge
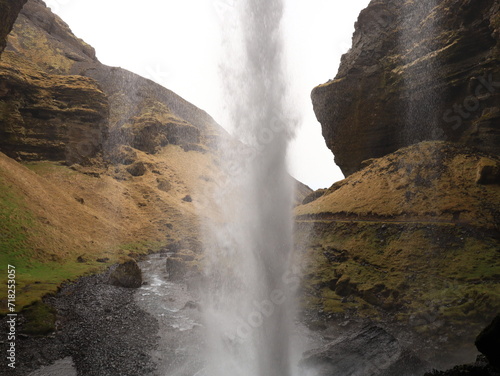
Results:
392 271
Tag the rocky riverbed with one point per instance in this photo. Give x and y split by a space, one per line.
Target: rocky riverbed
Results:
157 329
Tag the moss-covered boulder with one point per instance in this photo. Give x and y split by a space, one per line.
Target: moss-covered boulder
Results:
40 319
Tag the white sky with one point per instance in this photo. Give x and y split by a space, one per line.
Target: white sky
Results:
177 43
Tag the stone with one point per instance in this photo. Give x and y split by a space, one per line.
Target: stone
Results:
127 275
176 268
488 342
164 185
137 169
370 352
187 198
416 71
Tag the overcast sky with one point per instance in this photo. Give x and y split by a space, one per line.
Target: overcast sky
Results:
177 43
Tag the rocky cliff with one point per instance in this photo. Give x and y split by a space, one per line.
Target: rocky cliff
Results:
60 103
9 9
417 70
410 237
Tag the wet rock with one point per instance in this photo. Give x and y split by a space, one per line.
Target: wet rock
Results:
479 368
488 342
371 352
127 275
176 268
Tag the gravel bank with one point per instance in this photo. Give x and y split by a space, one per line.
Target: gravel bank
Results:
100 327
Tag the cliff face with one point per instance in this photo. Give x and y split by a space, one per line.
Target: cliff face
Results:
9 9
60 103
417 71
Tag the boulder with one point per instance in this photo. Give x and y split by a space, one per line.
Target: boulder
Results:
137 169
127 275
371 352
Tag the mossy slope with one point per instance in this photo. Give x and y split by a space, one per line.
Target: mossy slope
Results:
412 237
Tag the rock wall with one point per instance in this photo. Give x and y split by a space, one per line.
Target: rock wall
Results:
59 103
416 71
49 117
9 9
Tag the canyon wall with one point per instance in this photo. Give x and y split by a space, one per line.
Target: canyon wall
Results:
417 71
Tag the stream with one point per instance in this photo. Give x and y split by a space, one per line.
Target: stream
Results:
155 330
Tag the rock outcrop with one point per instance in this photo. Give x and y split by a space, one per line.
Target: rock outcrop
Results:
45 116
417 70
9 9
371 352
59 103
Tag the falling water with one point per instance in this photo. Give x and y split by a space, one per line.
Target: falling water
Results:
421 116
247 303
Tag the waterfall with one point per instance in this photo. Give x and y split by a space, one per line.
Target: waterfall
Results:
422 111
249 281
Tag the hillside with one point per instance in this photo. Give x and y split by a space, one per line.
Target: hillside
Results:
411 239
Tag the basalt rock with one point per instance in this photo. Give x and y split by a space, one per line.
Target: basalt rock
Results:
9 10
417 70
371 352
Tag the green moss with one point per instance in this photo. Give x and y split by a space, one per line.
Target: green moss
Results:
424 274
15 220
40 319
